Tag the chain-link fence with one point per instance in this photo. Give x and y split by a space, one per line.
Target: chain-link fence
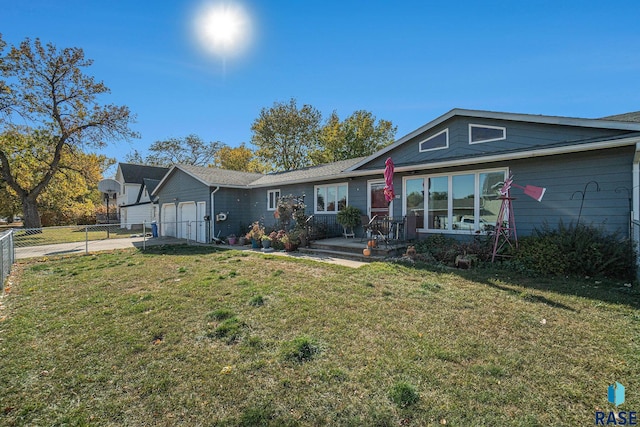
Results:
7 256
635 245
36 242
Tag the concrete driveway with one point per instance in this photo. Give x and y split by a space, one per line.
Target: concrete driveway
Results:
93 246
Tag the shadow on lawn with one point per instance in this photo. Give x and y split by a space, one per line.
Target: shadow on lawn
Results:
182 249
604 290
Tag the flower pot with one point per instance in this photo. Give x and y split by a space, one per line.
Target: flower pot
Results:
232 240
242 241
290 247
266 244
255 244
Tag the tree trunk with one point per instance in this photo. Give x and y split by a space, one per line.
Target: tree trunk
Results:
31 217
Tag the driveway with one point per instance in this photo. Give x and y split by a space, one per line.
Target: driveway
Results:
92 246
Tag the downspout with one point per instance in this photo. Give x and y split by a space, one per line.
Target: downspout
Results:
635 189
212 218
635 209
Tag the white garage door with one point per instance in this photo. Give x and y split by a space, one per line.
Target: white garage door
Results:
168 220
187 220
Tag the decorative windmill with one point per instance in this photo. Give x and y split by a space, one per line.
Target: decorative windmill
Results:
505 233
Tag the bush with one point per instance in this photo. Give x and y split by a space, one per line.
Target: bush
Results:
578 250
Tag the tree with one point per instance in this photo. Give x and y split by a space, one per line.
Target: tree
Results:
57 105
239 158
358 135
190 150
286 135
71 196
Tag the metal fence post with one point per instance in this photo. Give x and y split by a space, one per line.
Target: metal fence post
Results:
86 240
144 235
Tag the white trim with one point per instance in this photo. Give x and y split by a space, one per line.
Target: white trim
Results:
371 182
275 199
315 197
476 203
526 118
635 190
470 161
475 125
446 132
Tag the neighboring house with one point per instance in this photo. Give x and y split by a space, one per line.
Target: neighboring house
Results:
134 201
447 175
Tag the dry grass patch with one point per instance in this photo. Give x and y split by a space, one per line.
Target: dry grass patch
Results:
131 338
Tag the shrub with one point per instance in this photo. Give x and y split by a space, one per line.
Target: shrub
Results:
403 394
580 250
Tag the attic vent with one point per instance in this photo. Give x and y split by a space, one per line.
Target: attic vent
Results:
484 133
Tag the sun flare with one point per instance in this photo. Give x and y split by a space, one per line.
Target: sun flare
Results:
223 29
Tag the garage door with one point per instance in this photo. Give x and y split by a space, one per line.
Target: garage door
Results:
187 220
168 220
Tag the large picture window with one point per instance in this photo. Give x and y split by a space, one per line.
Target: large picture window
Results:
330 198
464 202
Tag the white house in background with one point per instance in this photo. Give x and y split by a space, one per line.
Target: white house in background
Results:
134 200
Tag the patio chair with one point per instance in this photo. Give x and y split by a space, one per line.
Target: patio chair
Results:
368 226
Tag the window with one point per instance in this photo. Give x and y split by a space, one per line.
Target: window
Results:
330 198
464 202
483 133
436 142
272 199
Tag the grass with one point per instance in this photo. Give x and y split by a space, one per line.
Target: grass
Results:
170 337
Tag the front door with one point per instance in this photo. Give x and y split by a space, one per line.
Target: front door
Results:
376 203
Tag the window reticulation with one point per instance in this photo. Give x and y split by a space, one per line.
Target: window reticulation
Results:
436 142
465 202
272 199
483 133
330 198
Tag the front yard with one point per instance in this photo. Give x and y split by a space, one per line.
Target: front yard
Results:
194 336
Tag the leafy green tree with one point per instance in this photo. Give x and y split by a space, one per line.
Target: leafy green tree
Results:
46 91
71 196
358 135
285 135
190 150
239 158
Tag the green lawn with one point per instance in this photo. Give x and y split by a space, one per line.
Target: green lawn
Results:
194 336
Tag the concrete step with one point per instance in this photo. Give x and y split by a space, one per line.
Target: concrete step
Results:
344 254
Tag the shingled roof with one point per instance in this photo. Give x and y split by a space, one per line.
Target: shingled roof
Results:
216 176
135 174
311 173
626 117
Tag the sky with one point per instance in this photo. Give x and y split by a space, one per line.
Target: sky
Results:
404 61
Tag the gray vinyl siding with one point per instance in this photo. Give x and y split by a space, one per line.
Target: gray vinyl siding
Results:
520 136
183 188
236 204
565 177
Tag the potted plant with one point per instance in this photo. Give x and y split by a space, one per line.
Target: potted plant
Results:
231 238
291 241
255 234
349 217
266 241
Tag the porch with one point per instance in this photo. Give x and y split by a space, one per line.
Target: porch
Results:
351 248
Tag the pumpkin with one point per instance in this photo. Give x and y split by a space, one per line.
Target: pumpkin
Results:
366 252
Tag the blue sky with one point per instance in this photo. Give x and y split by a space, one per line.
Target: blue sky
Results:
405 61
